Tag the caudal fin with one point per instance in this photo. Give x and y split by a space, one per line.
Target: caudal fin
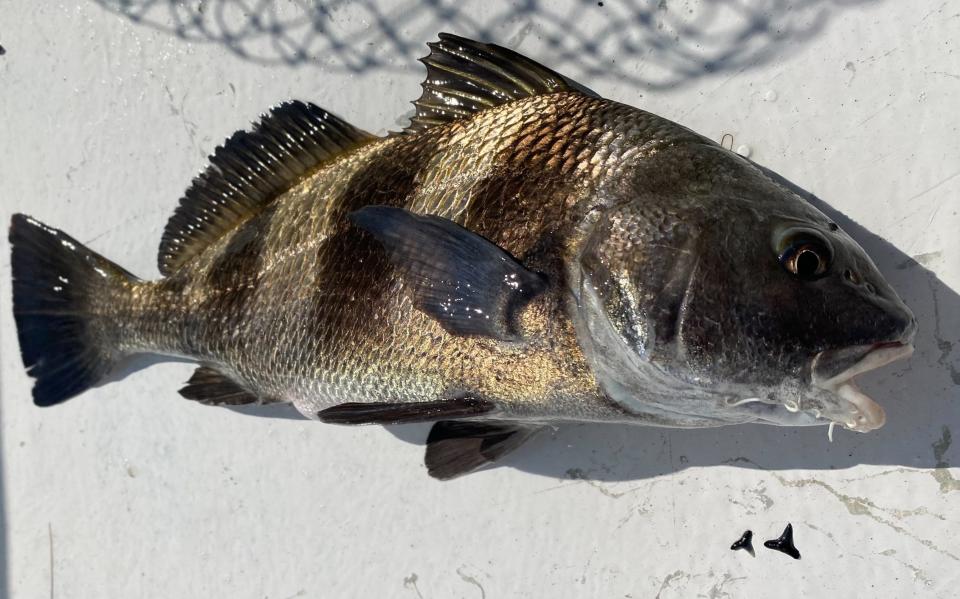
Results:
56 281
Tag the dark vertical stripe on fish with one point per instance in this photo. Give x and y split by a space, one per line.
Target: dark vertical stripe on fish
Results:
231 281
351 262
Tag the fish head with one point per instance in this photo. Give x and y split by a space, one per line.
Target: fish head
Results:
716 295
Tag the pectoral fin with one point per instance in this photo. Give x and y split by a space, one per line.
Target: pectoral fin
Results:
455 448
465 282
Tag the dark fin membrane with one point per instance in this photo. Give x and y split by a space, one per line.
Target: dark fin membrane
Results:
54 278
249 171
403 413
784 543
745 542
213 388
465 77
469 285
457 448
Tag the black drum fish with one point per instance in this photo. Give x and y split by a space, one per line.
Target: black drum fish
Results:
524 253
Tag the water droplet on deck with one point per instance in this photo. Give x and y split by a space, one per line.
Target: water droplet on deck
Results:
770 96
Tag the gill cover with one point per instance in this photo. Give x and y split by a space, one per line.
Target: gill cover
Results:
633 283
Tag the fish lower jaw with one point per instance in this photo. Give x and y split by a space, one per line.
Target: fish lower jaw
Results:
865 414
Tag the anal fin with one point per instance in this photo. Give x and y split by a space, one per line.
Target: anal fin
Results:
455 448
403 413
213 388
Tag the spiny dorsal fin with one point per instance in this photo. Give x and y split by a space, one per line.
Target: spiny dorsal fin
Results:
251 169
465 77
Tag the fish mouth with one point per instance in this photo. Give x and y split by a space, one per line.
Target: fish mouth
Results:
834 371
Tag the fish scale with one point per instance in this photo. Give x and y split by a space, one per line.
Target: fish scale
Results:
403 356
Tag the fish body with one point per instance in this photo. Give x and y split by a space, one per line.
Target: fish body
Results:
340 327
526 252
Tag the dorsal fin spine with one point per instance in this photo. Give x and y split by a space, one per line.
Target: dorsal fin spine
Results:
503 73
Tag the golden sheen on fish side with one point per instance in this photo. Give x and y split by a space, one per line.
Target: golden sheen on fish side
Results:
525 252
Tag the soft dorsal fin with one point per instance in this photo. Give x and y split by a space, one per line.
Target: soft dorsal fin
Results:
464 77
248 171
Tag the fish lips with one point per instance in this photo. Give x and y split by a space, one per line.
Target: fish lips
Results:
834 371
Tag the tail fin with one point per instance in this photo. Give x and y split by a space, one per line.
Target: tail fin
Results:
54 280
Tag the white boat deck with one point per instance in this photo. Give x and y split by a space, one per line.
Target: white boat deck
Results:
107 112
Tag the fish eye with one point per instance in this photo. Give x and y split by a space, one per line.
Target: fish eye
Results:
805 257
